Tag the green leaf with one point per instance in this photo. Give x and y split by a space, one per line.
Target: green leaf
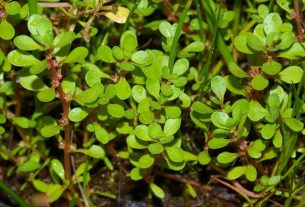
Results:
204 158
118 53
251 173
166 29
218 86
181 66
255 43
291 74
287 40
240 42
259 82
141 131
268 131
296 51
46 95
123 90
219 119
226 18
142 57
284 4
177 166
256 111
172 112
263 10
41 29
138 93
272 67
236 85
77 55
58 168
226 157
105 54
294 124
201 108
32 83
12 8
22 59
90 95
39 67
94 151
68 85
277 139
236 172
166 90
153 87
146 161
24 42
64 39
50 130
274 180
23 122
175 154
155 148
115 110
77 114
135 143
7 31
196 46
237 71
157 191
155 130
129 41
100 133
137 173
54 192
217 143
28 166
146 117
41 186
272 23
172 126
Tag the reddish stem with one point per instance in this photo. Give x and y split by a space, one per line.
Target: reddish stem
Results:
64 121
298 19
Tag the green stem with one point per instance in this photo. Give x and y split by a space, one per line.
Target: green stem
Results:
135 6
199 16
19 200
237 9
223 49
173 52
203 74
32 6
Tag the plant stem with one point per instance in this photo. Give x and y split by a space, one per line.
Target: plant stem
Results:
135 6
55 5
204 72
173 52
223 49
19 200
199 16
64 121
182 180
232 187
298 19
237 9
32 6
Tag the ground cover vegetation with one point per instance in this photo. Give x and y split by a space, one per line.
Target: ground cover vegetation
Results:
152 103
